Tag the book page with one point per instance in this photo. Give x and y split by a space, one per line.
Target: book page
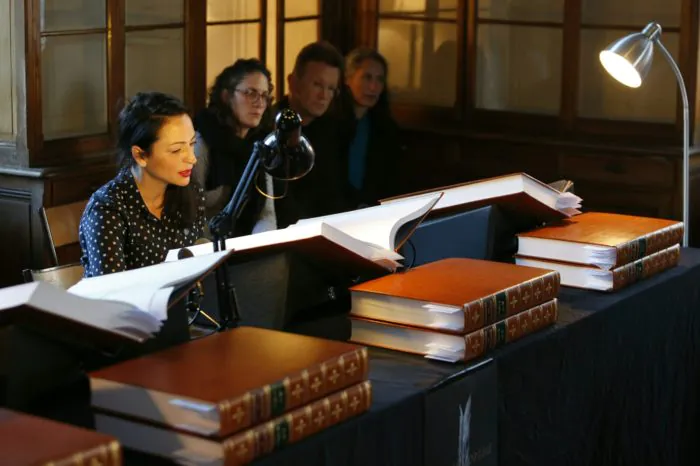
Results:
108 315
297 232
139 287
378 225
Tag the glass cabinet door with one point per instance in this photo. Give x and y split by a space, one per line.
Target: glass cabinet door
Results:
419 40
73 67
519 55
154 47
602 97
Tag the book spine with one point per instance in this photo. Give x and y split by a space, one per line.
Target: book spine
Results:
299 389
485 311
645 267
296 425
109 454
648 244
496 335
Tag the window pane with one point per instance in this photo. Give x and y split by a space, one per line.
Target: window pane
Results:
74 85
296 36
523 10
422 60
518 68
227 10
6 70
601 96
295 8
619 12
139 12
228 43
58 15
420 8
155 60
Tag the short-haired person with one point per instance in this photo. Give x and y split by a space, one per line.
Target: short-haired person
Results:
150 206
313 84
374 151
226 131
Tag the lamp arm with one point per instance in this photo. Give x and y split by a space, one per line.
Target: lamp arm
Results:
223 223
686 140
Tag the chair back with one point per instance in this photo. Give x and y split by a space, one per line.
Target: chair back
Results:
62 223
63 276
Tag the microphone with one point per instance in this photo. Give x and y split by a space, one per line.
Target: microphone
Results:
185 253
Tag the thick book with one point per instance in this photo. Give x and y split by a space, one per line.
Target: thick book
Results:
523 197
227 382
453 347
246 446
361 240
27 440
124 305
600 239
460 295
595 278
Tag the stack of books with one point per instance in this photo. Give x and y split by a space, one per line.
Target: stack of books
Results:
231 397
601 251
29 441
454 309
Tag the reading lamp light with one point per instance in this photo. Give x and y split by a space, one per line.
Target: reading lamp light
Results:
628 60
284 155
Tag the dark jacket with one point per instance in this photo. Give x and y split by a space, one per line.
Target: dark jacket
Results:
228 155
322 190
384 152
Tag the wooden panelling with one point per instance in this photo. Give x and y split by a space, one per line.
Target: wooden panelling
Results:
652 171
79 187
15 234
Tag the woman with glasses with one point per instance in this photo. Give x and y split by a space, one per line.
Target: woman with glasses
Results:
226 131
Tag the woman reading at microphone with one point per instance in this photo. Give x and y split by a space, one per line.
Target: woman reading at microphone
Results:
150 207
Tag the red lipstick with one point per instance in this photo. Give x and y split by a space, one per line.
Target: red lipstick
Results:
185 173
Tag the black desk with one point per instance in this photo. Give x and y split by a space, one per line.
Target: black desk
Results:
615 382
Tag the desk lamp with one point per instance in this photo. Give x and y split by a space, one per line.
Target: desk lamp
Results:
628 60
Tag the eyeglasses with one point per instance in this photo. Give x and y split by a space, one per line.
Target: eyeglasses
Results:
254 96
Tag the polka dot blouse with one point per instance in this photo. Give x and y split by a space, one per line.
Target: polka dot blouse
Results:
117 231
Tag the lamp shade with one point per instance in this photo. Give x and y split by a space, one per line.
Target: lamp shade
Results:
628 59
286 155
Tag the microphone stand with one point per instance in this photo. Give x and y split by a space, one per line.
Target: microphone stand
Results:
221 226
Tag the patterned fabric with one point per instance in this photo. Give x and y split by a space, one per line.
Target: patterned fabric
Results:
118 232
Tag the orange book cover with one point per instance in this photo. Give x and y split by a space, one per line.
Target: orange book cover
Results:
227 382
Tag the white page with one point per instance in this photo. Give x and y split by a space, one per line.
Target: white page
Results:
295 233
379 224
140 282
109 315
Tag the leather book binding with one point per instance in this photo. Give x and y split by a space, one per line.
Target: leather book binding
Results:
453 347
29 440
601 239
246 446
594 278
227 382
483 291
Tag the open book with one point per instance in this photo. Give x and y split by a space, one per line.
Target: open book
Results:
371 234
518 193
130 304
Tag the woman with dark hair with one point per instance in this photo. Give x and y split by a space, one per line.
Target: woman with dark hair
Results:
150 207
226 132
373 155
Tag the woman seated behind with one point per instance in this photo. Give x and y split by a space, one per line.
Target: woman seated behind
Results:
150 207
374 152
227 130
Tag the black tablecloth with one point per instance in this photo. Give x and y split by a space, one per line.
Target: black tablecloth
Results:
615 382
